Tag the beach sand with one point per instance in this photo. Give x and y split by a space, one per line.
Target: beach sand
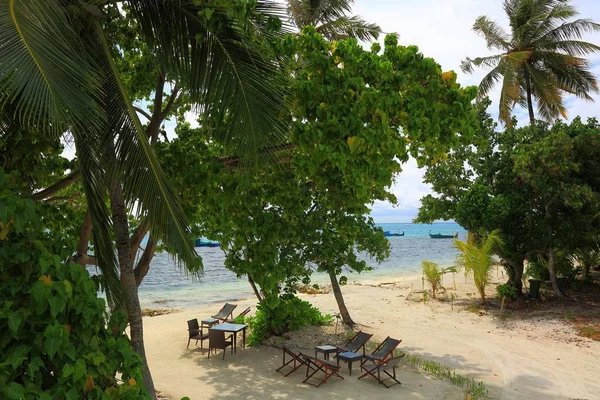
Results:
536 358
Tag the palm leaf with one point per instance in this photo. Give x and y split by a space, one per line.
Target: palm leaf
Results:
145 186
493 33
228 76
44 72
349 27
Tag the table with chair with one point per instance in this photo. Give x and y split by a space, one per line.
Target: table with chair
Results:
220 330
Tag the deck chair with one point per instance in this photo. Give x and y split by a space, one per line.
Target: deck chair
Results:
231 320
328 368
376 369
196 332
217 341
225 312
382 352
295 360
357 342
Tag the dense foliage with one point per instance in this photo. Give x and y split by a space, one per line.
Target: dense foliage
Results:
289 315
537 184
56 340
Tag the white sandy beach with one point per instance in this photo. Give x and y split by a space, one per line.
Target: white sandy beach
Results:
537 358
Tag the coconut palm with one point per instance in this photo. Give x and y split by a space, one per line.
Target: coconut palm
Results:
541 60
57 74
434 274
476 256
330 19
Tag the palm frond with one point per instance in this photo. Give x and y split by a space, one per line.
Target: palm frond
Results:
349 27
487 62
489 81
94 185
570 30
145 186
227 75
571 73
547 95
510 93
43 71
493 33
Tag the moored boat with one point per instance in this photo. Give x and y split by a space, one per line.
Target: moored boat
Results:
205 243
393 233
441 236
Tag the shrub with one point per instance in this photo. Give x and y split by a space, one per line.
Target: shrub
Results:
506 290
288 314
537 270
56 340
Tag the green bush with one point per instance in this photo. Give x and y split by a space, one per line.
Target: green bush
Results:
288 314
537 270
56 340
506 290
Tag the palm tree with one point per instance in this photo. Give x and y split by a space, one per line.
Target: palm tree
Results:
476 257
330 19
541 60
57 74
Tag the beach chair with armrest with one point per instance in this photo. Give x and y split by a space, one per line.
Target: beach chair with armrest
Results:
217 341
225 312
232 320
328 368
195 332
384 351
357 342
376 369
295 360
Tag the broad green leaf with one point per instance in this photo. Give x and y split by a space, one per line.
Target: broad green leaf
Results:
13 391
14 322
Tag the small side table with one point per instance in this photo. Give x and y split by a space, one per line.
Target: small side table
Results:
207 323
349 357
326 350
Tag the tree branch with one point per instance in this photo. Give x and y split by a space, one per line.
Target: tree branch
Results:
138 236
170 103
143 265
62 198
144 113
58 186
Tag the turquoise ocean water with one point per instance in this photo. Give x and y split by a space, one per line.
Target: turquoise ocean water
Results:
166 286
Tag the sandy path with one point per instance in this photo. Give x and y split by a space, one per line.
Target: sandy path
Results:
533 359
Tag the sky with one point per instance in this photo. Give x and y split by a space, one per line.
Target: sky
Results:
442 30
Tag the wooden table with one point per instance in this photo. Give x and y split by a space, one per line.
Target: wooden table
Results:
234 329
349 357
326 350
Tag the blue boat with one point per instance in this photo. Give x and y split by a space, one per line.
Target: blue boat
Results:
393 233
205 243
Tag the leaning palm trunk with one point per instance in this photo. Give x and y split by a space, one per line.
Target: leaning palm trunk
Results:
132 301
339 298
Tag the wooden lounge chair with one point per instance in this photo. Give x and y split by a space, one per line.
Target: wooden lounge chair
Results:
225 312
216 340
375 371
295 360
357 342
231 320
328 368
379 356
195 332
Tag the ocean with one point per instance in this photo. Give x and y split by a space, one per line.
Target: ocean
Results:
167 286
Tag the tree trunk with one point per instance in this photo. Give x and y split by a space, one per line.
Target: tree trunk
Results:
339 298
132 301
256 291
529 100
482 294
517 277
143 265
551 266
81 255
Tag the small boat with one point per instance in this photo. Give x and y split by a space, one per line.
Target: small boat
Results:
205 243
393 233
440 236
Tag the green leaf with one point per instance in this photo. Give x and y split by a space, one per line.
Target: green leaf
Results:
80 370
57 304
55 338
13 391
67 370
18 355
14 322
34 365
68 288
